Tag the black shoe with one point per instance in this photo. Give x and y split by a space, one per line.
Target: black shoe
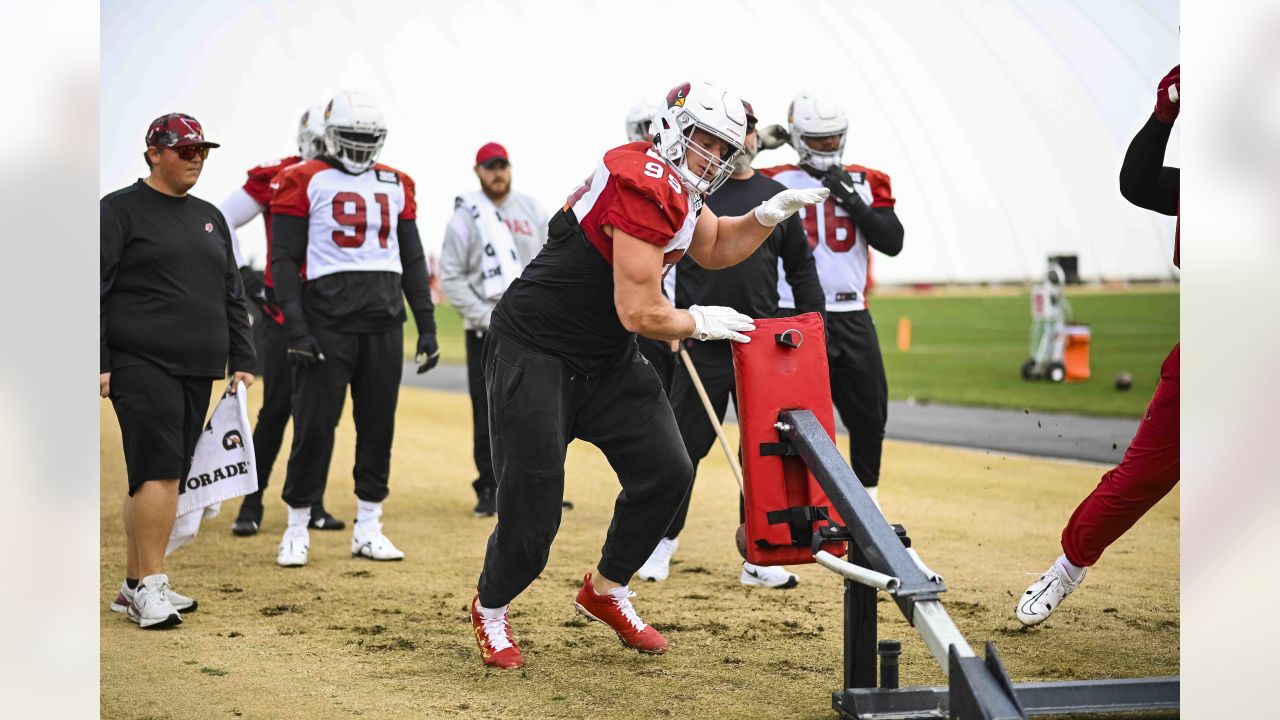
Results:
244 527
324 521
486 502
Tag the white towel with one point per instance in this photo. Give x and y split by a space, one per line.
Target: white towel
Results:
222 468
500 264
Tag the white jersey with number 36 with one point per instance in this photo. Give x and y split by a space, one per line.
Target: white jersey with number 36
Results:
351 218
839 248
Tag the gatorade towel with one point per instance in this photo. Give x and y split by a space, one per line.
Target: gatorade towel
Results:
222 468
772 377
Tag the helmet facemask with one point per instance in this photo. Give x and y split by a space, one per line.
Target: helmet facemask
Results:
675 142
356 148
818 159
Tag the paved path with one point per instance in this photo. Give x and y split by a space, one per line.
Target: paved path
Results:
1044 434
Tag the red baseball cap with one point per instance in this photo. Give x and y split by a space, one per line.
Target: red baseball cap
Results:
176 130
751 115
491 151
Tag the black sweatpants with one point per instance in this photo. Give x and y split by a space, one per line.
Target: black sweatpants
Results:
371 364
273 416
537 406
659 355
858 388
713 362
479 412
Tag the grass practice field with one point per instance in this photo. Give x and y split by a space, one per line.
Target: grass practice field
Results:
967 348
346 638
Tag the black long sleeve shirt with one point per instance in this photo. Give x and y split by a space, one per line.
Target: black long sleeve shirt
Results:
170 290
1146 181
751 286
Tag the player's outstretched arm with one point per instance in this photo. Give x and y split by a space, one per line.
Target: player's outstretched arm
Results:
721 242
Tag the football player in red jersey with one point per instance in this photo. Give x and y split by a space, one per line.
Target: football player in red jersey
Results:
858 216
1150 467
561 361
241 207
346 255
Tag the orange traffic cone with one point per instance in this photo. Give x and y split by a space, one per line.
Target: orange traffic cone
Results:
904 334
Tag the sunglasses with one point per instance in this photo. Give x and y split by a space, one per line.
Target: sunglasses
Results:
190 152
495 164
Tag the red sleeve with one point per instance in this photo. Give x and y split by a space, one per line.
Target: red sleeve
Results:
289 191
881 192
258 184
410 211
643 206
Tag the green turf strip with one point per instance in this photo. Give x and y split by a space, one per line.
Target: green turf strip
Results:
968 349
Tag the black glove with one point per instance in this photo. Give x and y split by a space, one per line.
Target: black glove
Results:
428 355
840 183
255 287
304 350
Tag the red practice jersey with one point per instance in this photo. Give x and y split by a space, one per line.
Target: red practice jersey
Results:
258 185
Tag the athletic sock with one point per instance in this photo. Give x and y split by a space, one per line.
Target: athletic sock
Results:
131 583
1075 572
299 517
491 613
368 511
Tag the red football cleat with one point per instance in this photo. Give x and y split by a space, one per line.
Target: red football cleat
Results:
614 609
493 635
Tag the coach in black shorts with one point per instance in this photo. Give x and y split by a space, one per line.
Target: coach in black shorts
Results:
561 361
173 314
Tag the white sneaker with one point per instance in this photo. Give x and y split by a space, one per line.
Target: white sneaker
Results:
1046 594
658 566
124 599
150 608
294 547
770 576
369 542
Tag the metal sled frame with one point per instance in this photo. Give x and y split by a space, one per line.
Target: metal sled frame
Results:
880 559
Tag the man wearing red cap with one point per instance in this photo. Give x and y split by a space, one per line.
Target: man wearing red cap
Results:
493 234
173 318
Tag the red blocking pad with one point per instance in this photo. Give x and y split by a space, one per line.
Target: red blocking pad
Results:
784 367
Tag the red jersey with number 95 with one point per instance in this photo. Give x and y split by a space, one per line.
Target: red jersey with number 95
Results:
351 218
839 249
634 190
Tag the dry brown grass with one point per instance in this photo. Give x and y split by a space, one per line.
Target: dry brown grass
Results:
344 637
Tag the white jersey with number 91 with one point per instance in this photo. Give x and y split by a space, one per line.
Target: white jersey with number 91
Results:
351 218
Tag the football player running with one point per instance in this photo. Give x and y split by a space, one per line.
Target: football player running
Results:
240 208
346 256
561 361
858 216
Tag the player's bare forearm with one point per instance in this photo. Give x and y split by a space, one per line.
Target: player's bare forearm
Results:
721 242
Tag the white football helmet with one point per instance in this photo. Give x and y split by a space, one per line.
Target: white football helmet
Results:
700 106
311 132
639 118
354 130
810 117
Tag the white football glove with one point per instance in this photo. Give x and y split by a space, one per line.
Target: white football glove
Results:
711 322
773 136
786 203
